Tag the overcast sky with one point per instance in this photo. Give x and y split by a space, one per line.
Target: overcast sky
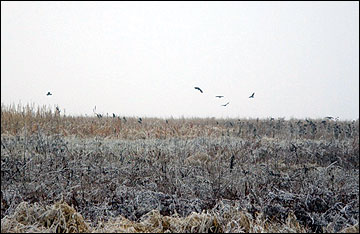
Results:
145 58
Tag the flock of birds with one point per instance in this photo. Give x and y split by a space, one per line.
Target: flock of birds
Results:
140 119
220 96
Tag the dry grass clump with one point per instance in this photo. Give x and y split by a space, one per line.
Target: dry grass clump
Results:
61 218
58 218
156 223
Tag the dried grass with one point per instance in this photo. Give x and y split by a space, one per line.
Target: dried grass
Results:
61 218
31 218
184 175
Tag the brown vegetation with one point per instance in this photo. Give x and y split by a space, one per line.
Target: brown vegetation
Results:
180 175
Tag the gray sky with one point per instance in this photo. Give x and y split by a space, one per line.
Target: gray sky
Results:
145 58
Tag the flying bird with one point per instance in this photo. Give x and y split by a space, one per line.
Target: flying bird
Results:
219 96
48 94
252 95
226 104
198 89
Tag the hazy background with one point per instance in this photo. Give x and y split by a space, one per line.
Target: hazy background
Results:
144 58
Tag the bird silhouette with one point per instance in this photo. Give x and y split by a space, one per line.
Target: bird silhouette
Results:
140 120
219 96
329 117
252 95
226 104
114 115
198 89
48 94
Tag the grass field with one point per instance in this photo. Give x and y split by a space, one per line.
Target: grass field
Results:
88 174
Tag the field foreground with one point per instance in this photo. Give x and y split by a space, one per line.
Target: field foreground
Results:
87 174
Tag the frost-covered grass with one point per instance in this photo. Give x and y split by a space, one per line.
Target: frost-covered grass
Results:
271 175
